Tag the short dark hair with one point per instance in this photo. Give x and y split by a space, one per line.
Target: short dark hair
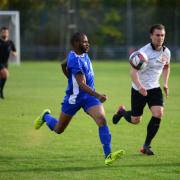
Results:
156 26
76 37
4 28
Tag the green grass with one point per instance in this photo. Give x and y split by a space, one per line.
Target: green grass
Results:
29 154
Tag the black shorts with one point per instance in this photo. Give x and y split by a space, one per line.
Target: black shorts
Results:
154 98
3 65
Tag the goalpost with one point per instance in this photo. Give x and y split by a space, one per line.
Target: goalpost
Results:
10 19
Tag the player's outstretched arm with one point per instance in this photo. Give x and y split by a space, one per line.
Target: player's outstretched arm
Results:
82 84
64 68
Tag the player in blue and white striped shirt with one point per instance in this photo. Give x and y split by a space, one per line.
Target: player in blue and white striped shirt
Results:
81 93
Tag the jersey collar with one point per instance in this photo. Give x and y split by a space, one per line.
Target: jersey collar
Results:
81 55
153 47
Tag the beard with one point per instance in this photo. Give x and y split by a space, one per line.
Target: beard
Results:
84 49
4 37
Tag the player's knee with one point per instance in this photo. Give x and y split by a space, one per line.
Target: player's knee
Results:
101 121
158 114
136 120
4 74
59 130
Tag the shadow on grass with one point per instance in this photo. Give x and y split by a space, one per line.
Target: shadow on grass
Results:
26 158
67 163
52 164
85 168
52 169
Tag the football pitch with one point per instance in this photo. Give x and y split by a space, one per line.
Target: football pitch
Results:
26 153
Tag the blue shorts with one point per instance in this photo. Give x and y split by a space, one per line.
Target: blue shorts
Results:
86 103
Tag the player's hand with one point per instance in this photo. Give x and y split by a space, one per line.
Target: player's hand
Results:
102 97
166 90
142 91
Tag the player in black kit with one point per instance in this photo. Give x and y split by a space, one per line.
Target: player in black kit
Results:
6 47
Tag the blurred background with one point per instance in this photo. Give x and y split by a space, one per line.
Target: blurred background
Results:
115 28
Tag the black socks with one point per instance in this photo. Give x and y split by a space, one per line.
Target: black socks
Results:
127 115
2 83
152 129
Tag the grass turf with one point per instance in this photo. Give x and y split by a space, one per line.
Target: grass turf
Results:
26 153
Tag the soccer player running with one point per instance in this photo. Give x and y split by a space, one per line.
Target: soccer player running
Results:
146 87
80 93
6 47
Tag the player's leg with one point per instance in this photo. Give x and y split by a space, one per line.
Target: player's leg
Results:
98 114
155 102
133 116
54 124
3 78
154 123
63 122
96 110
58 126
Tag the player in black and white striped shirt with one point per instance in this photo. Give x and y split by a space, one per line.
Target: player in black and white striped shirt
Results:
146 87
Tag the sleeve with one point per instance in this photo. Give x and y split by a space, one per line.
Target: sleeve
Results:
167 56
13 48
75 65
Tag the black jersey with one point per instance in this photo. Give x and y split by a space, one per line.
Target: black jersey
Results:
5 48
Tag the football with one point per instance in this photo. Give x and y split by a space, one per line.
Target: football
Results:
138 60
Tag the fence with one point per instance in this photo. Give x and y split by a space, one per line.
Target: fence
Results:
112 33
